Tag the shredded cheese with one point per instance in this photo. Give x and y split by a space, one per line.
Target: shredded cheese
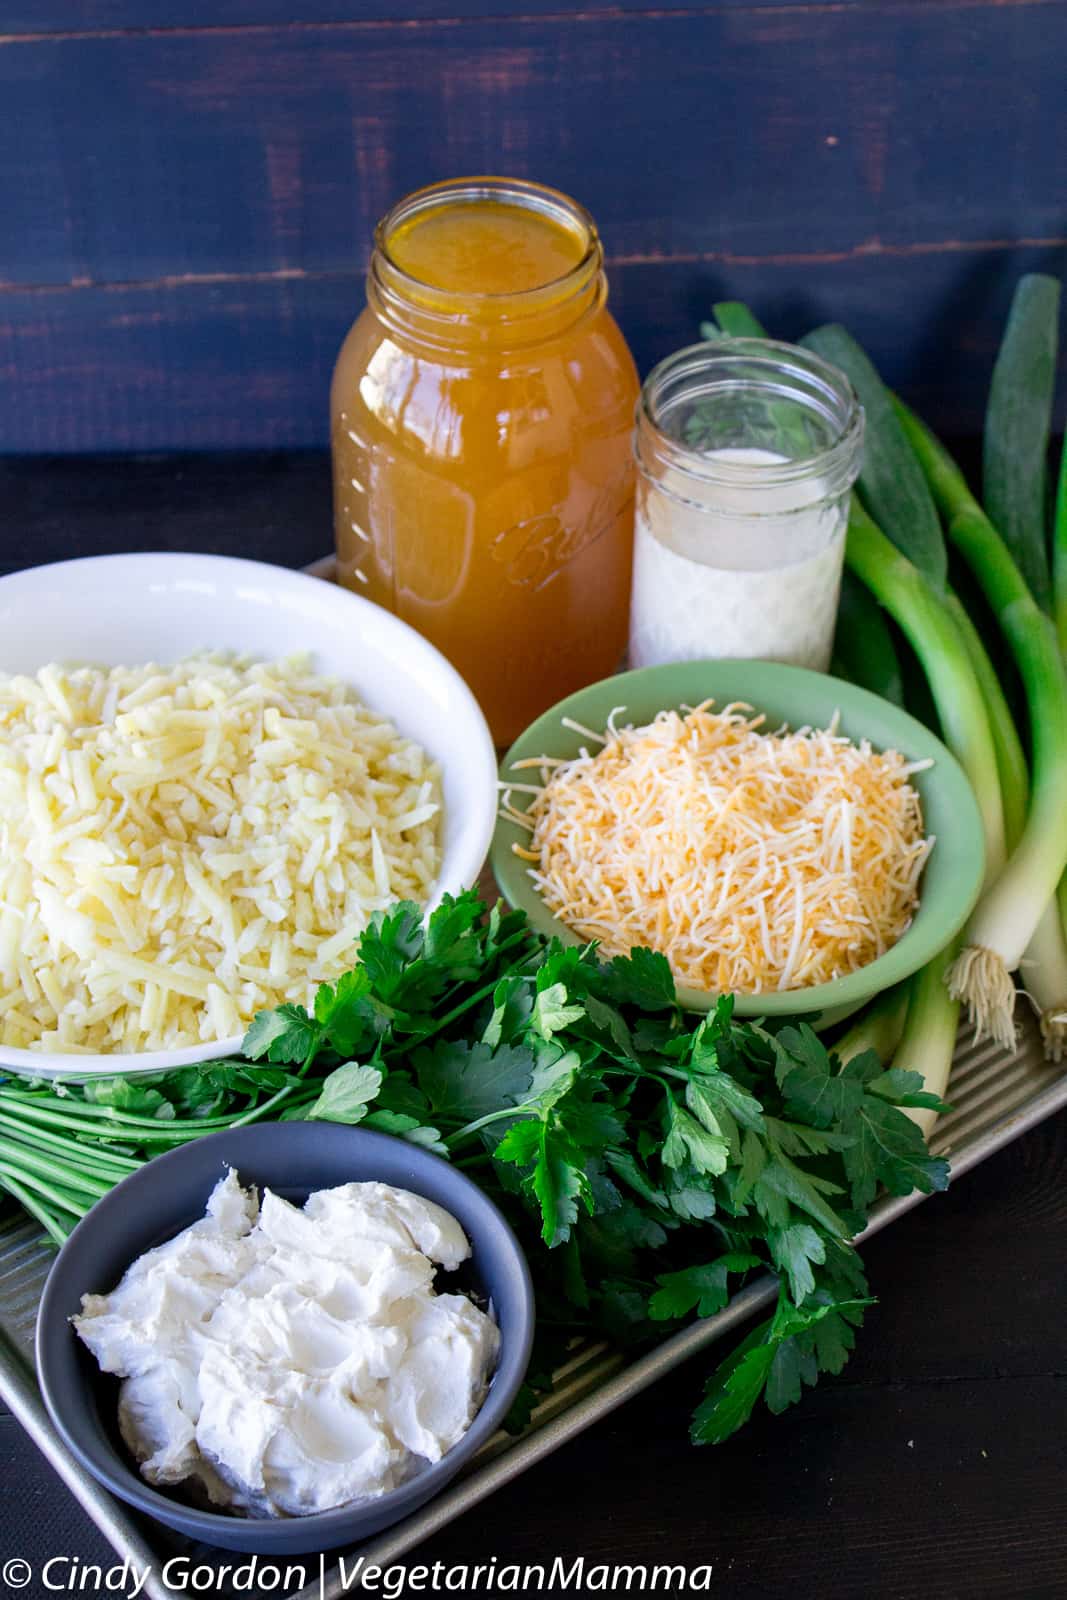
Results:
754 861
183 846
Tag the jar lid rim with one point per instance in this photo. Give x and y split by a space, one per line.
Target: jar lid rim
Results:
523 195
838 461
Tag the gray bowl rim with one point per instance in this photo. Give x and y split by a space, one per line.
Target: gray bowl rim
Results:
126 1482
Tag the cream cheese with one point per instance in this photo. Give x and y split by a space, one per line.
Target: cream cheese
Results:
292 1360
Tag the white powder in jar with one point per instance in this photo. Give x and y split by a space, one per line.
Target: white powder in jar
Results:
723 580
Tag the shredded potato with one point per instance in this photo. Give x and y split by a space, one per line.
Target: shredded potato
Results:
754 861
183 846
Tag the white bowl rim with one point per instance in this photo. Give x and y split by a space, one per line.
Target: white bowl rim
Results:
460 874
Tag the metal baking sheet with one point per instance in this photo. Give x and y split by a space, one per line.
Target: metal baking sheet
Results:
996 1097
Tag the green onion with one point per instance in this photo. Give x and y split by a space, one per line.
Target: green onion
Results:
891 483
57 1231
928 1042
879 1028
20 1157
1009 912
49 1166
1011 758
864 651
1018 418
100 1160
1043 970
737 322
1059 552
55 1193
925 620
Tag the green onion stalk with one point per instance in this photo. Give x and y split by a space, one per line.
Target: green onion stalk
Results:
1012 770
926 621
957 668
50 1167
1059 553
1043 968
1010 910
879 1028
1044 965
1017 427
916 1022
928 1035
928 1042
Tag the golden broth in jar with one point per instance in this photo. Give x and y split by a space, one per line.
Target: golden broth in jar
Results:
481 415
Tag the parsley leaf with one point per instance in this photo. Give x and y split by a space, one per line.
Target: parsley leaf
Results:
794 1249
346 1094
551 1013
776 1360
642 979
287 1034
391 948
556 1174
350 1015
464 1082
688 1140
610 1126
889 1150
904 1088
407 1127
704 1288
813 1091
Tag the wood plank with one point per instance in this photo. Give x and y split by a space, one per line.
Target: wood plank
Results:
31 17
762 131
247 363
266 506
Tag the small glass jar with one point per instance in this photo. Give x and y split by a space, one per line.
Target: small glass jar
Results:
746 452
482 407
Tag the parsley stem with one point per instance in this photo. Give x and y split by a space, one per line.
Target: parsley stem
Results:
484 992
483 1122
255 1114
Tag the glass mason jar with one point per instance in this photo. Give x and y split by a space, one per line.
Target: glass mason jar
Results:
482 407
746 452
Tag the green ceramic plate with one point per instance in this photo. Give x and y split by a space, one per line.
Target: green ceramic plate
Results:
791 695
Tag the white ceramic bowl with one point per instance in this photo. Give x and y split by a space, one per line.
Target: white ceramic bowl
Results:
130 609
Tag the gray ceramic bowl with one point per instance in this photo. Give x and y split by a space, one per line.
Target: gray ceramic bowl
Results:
170 1192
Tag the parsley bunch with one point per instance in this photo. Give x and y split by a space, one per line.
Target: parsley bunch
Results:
651 1160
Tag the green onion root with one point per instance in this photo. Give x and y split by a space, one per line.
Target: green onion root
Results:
1043 970
980 977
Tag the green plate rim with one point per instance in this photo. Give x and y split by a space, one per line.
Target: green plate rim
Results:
945 903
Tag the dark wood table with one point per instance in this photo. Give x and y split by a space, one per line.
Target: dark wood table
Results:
934 1467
